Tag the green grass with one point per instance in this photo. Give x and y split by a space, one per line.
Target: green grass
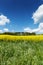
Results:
21 52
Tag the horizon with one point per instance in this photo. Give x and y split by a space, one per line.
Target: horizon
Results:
21 16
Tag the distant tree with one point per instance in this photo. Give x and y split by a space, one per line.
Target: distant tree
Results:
18 33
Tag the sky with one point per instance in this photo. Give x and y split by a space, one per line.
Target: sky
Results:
21 16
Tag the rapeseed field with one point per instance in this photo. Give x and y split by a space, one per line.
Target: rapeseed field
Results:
30 37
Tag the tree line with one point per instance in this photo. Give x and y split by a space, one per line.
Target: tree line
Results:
18 33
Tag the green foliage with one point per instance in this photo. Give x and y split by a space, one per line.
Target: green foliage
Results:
18 33
21 53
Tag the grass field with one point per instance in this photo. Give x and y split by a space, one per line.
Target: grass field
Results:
21 50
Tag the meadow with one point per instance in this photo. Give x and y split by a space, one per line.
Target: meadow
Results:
21 50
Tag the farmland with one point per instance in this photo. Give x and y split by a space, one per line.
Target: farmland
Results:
21 50
29 37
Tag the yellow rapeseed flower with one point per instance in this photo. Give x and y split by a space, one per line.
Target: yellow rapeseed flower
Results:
32 37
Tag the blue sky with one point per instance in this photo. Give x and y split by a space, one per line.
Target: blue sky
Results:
19 15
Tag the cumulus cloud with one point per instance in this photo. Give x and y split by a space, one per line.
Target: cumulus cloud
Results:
5 29
4 20
38 15
39 29
38 18
41 25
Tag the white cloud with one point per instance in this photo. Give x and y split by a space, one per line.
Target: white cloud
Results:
27 29
37 30
3 20
31 30
38 15
38 18
41 25
1 31
5 29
